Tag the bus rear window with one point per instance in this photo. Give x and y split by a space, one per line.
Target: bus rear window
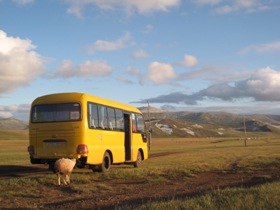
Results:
56 112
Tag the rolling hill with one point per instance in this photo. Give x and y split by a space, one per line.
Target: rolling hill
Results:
189 124
11 129
13 124
211 124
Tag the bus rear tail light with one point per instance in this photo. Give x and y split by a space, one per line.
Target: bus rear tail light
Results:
31 150
82 149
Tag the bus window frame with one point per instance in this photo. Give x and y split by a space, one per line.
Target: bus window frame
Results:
137 123
116 128
89 118
134 117
59 121
111 118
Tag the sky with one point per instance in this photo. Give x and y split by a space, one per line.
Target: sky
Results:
192 55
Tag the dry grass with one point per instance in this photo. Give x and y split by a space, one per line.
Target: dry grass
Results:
169 159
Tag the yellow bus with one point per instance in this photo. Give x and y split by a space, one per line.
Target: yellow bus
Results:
96 131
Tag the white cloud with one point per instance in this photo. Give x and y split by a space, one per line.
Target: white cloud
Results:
210 72
149 28
263 85
160 73
248 6
206 1
230 6
19 63
262 48
86 69
140 54
11 111
224 9
137 73
5 114
23 2
124 80
189 60
102 45
76 8
130 71
145 6
133 71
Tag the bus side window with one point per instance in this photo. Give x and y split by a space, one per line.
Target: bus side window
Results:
103 118
140 123
134 125
92 115
111 118
119 120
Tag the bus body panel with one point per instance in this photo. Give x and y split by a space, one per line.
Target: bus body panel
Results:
138 145
56 139
100 141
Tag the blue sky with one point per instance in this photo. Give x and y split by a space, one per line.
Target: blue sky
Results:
193 55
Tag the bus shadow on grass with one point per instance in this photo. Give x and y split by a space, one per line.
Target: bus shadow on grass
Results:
19 171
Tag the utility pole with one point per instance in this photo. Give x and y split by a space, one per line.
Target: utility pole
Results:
245 133
150 127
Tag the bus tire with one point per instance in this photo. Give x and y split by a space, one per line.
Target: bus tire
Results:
138 160
106 164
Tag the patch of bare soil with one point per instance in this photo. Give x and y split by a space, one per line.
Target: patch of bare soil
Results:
132 192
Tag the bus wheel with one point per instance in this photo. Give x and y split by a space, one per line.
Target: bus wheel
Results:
139 160
106 164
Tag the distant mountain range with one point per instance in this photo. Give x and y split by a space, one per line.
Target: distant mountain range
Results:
13 124
209 124
191 124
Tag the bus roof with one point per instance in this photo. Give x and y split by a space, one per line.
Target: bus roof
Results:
77 97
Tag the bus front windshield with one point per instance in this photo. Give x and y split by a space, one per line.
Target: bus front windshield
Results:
56 112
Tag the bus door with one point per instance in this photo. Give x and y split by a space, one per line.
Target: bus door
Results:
127 138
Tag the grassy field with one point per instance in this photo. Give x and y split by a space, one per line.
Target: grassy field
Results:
197 155
171 158
13 134
13 150
214 154
265 196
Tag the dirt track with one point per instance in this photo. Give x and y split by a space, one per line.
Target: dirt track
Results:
135 191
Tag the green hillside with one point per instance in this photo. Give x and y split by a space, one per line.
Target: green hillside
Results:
13 124
212 124
182 124
13 129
